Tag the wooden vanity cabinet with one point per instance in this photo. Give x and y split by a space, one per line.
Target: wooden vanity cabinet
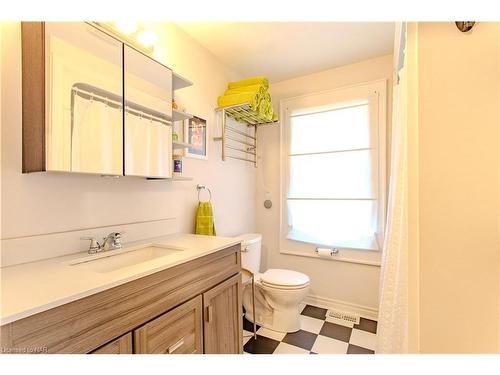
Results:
194 307
122 345
223 323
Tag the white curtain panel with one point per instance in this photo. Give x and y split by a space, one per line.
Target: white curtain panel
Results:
96 139
392 330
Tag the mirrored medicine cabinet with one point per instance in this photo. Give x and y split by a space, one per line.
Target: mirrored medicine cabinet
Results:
92 104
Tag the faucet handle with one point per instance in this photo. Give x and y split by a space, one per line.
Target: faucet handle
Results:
115 237
116 240
94 245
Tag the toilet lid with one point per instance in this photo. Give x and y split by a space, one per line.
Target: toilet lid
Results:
286 278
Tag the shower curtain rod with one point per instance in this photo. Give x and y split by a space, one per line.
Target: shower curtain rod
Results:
91 92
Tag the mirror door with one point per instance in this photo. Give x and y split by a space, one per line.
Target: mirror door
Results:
148 116
83 110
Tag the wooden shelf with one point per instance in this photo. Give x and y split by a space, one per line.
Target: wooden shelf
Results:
178 115
179 82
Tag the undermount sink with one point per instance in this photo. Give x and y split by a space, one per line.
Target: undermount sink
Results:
116 259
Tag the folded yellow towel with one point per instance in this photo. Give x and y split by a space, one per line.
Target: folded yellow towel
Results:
253 91
205 219
260 104
249 81
252 98
252 88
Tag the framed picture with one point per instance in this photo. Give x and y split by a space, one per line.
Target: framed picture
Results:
196 134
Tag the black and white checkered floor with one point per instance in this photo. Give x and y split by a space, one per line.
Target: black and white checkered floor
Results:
318 335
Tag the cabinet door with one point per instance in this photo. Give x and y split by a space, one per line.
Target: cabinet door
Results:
83 106
122 345
223 322
175 332
148 116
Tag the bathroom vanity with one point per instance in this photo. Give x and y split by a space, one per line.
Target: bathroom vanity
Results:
173 299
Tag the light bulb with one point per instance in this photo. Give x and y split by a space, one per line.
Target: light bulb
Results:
126 27
147 38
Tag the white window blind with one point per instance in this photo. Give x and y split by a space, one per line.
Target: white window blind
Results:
332 177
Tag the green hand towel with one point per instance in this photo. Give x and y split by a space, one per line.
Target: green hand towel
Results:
249 81
205 219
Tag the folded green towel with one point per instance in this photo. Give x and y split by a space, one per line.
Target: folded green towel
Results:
205 219
249 81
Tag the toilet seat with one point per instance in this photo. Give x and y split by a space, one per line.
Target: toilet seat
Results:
283 279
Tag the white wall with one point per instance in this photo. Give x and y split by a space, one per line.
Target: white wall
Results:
353 285
1 73
41 203
411 62
458 185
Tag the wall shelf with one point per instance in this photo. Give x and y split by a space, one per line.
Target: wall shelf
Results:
179 82
174 178
178 115
177 145
243 113
242 145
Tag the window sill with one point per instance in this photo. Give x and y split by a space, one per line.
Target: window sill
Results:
339 257
367 243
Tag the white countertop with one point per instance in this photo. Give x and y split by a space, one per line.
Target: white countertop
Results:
31 288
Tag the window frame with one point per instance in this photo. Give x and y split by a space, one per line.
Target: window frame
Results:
338 97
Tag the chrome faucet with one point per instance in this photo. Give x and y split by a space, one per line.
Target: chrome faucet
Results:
110 242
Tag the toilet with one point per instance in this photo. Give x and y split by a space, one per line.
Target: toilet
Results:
278 292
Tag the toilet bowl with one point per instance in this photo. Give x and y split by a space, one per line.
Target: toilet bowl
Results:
278 292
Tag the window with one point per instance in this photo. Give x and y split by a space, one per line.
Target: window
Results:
333 164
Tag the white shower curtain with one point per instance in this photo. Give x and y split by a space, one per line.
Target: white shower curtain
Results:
392 330
96 140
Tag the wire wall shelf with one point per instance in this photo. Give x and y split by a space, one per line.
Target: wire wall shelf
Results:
241 144
244 114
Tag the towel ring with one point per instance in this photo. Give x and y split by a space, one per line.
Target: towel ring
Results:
203 187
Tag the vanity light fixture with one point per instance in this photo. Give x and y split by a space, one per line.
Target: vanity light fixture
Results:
147 38
132 33
126 27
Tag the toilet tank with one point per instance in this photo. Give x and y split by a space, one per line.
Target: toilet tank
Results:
251 251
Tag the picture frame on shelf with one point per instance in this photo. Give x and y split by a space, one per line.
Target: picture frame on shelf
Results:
196 134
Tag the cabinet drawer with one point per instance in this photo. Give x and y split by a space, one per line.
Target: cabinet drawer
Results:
177 332
122 345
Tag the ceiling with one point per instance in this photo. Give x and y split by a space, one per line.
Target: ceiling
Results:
282 50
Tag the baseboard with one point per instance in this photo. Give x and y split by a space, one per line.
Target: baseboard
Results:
328 303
